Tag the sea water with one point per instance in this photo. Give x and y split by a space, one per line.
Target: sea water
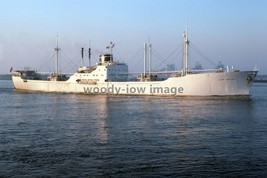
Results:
73 135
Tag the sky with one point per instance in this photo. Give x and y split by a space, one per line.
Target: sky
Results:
230 31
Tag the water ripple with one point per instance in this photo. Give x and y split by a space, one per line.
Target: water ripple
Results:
67 135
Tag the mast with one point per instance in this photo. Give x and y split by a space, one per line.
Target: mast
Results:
57 56
89 56
145 57
149 58
185 53
82 61
89 53
110 46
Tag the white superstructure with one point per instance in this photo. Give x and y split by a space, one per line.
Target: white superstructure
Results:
111 77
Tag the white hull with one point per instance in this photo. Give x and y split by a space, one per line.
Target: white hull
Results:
201 84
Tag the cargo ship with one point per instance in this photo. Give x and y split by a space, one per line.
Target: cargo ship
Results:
111 77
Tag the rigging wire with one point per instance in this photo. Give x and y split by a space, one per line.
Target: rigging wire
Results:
46 62
49 62
70 61
202 55
156 54
117 54
164 61
135 56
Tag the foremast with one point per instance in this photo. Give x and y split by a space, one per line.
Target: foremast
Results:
56 76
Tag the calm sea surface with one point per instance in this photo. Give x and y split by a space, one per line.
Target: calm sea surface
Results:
70 135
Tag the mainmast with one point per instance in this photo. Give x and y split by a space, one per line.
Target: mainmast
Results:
145 58
185 53
57 56
149 58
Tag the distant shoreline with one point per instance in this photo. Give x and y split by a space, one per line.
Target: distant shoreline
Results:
260 81
259 78
5 77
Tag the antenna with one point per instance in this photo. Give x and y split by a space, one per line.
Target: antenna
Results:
110 46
